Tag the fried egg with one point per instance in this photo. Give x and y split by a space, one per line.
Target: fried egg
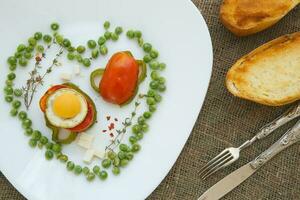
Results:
66 108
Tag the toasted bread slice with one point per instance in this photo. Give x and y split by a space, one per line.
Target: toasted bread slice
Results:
270 74
245 17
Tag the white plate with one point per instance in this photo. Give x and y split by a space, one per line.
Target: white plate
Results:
175 27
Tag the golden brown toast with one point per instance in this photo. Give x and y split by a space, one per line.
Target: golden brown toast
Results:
245 17
270 74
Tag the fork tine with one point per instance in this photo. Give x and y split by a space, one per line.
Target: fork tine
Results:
215 164
214 161
217 167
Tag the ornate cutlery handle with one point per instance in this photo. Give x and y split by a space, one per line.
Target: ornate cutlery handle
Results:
289 138
281 120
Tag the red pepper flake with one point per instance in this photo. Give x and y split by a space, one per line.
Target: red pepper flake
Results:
104 131
111 135
107 118
38 59
111 126
116 119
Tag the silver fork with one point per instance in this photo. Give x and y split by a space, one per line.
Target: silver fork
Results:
231 154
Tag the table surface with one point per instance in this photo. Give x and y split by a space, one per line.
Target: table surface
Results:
227 121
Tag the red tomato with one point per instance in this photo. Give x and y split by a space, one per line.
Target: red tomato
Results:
120 78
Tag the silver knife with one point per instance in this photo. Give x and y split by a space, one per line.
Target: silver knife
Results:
238 176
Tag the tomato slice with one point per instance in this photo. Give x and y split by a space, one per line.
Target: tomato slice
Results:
87 122
43 100
120 78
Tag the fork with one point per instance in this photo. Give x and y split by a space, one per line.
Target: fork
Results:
232 154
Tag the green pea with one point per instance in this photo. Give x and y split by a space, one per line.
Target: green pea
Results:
26 123
154 85
95 53
140 42
118 30
11 76
116 170
132 139
59 39
152 108
114 36
40 48
122 155
22 115
80 49
86 62
130 34
111 155
124 162
145 127
44 140
66 43
135 147
139 136
162 66
154 53
63 158
103 50
36 135
123 147
28 131
96 169
40 145
9 83
49 145
70 56
91 44
71 49
32 41
13 112
150 101
106 25
161 88
116 161
56 148
54 26
16 104
147 47
138 34
38 35
141 120
77 169
21 47
27 55
157 98
23 62
9 98
136 128
79 58
8 90
129 156
101 40
70 165
147 58
103 175
154 75
90 176
107 35
147 115
29 49
106 163
18 54
49 155
86 170
32 143
154 65
12 67
12 60
47 38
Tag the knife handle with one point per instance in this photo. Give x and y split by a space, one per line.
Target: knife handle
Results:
281 120
289 138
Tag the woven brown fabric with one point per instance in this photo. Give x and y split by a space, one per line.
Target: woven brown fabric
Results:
227 121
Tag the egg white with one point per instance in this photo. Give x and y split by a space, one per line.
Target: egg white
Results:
62 122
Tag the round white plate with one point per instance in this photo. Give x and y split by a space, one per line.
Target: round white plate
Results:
174 27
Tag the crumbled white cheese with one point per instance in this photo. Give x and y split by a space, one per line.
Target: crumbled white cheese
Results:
85 140
100 154
77 70
88 156
66 76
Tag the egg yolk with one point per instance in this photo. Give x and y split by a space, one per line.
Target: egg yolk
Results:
66 105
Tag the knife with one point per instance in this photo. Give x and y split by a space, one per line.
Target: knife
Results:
234 179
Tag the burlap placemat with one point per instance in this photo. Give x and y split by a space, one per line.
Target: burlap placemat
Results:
227 121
